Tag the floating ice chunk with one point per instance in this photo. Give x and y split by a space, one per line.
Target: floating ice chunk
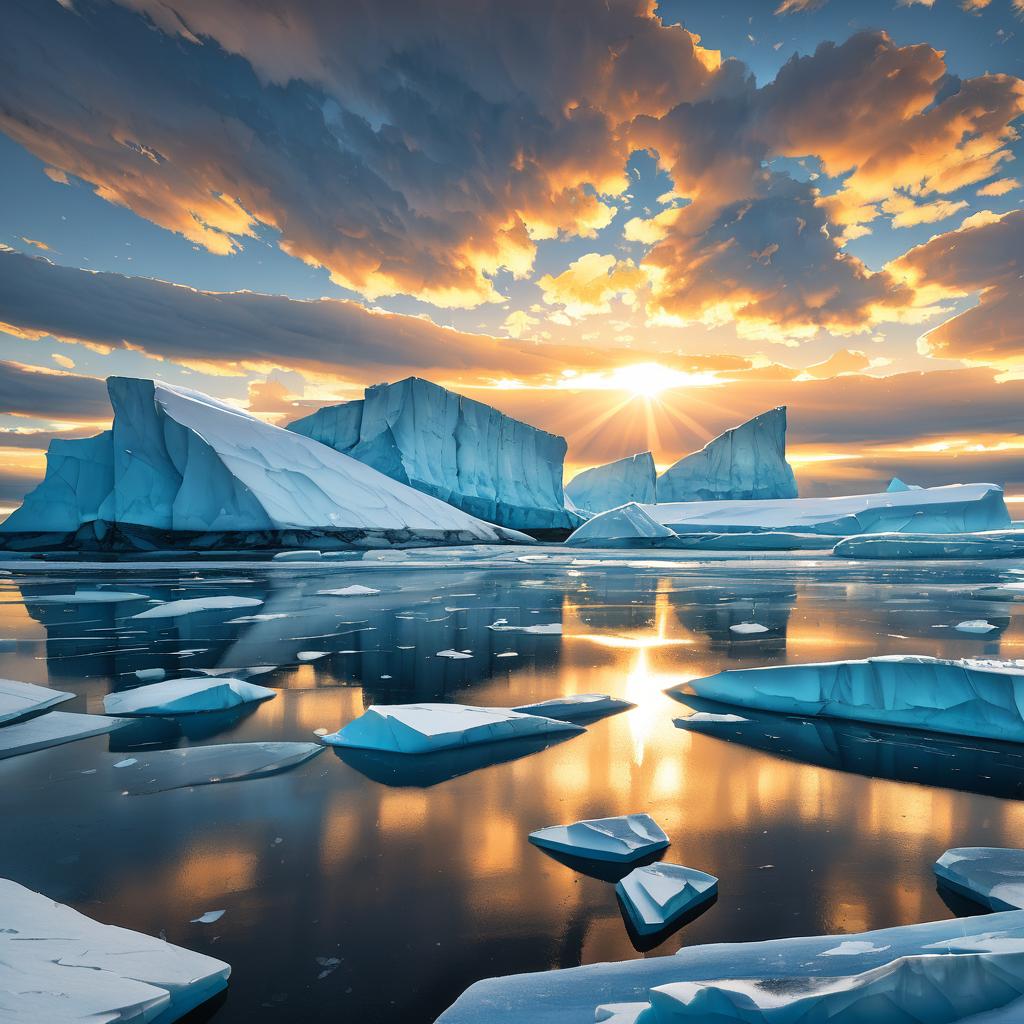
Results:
622 839
614 484
657 895
191 605
126 763
854 948
975 626
991 876
51 730
356 590
87 597
455 654
968 698
186 696
580 705
984 543
59 967
748 627
542 628
508 654
311 655
184 767
422 728
210 917
929 989
298 556
150 675
20 699
259 617
707 718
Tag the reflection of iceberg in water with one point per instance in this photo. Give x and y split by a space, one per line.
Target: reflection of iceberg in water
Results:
972 766
425 770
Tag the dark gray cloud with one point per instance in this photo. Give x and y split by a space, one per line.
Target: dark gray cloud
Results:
51 395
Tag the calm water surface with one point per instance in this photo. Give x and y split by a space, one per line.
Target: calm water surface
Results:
355 893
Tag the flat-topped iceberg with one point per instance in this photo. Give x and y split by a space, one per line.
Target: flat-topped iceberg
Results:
20 699
453 448
181 469
745 463
51 730
573 995
186 696
580 705
616 483
983 544
657 895
621 840
60 967
955 509
425 728
991 876
970 697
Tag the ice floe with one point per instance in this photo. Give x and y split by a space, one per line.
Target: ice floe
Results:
991 876
621 839
311 555
355 590
748 628
210 917
51 730
657 895
454 654
981 544
423 728
975 626
88 597
20 699
186 696
540 628
579 705
192 605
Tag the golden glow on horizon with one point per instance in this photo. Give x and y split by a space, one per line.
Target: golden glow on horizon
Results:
640 380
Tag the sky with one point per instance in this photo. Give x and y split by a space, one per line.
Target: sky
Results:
632 224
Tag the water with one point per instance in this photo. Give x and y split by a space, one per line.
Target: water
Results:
353 899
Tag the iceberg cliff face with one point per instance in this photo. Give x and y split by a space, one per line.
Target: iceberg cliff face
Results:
180 467
614 484
454 448
745 463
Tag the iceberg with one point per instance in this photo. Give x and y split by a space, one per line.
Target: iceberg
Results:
658 895
621 840
982 544
604 487
453 448
746 463
987 875
954 509
60 967
51 730
20 699
180 469
186 696
573 995
581 705
970 697
425 728
157 771
896 484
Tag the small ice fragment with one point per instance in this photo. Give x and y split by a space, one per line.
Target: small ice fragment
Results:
454 654
543 628
321 731
975 626
151 675
127 762
854 947
748 627
298 556
311 655
356 590
209 917
508 654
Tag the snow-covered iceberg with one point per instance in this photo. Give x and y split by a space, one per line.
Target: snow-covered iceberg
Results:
991 876
60 967
984 544
51 730
573 995
580 705
424 728
657 895
616 483
180 469
621 840
186 696
964 698
20 699
452 447
745 463
955 509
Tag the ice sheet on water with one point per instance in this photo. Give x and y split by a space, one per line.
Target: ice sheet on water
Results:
981 544
355 590
186 696
580 705
88 597
19 699
538 628
620 839
192 605
991 876
51 730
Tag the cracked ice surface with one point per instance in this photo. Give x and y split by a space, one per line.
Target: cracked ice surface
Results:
658 894
186 696
20 699
971 697
423 728
58 967
621 840
991 876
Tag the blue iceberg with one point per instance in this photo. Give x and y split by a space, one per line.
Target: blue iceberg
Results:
991 876
621 840
616 483
657 895
186 696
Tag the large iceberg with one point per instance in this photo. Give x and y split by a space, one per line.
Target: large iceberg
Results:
991 876
454 448
20 699
186 696
745 463
621 840
59 967
425 728
964 698
604 487
984 544
954 509
181 469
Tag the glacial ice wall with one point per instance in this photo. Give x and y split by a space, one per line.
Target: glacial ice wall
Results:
616 483
745 463
454 448
179 463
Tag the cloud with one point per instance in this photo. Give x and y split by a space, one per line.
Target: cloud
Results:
844 361
799 6
907 213
999 187
588 285
51 394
